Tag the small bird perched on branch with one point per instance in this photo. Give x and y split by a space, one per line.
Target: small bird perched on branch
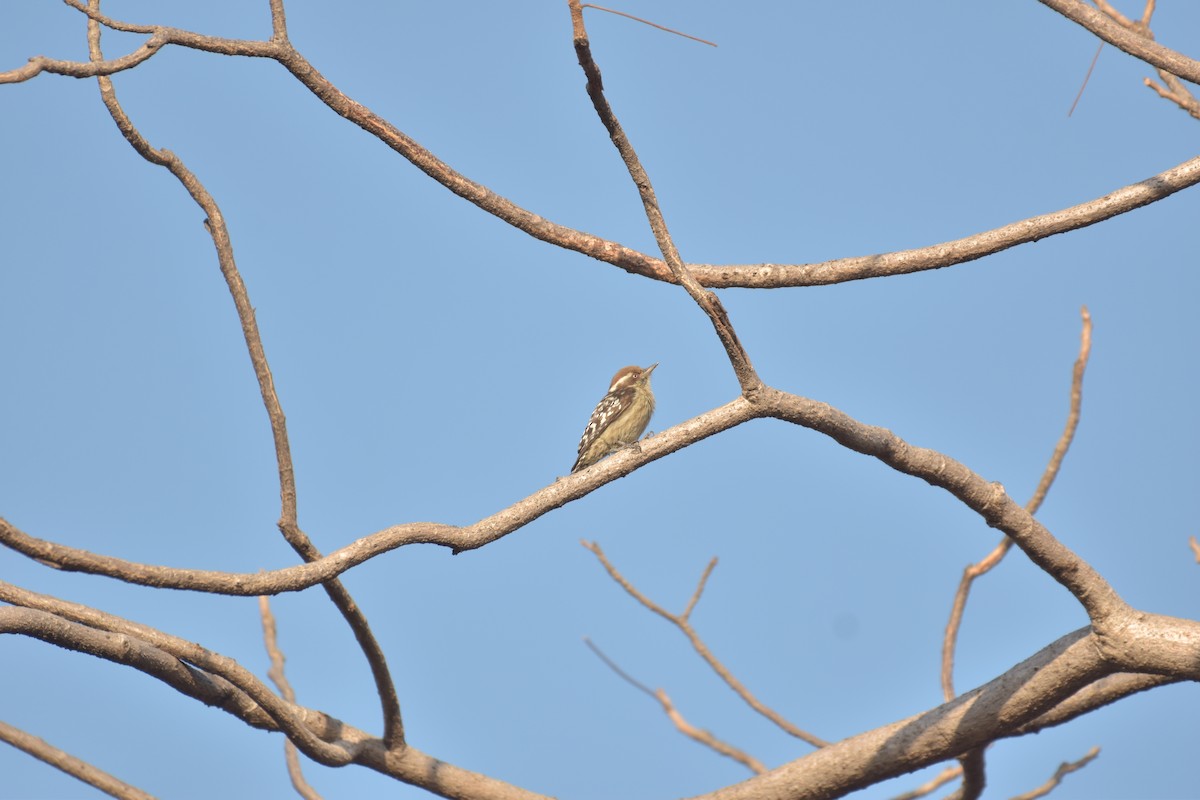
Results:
620 417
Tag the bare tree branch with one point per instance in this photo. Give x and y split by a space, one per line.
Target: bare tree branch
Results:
321 737
929 787
458 539
75 767
765 275
1118 36
279 678
709 303
681 724
1103 692
1064 769
77 69
995 710
950 639
288 523
651 24
682 622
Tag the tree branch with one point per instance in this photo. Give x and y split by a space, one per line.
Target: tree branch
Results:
288 522
75 767
959 604
995 710
758 276
681 724
709 303
1140 47
279 678
682 622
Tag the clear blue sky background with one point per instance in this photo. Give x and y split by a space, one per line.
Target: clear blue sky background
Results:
436 364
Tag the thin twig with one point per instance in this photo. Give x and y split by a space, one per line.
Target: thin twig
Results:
1195 545
687 612
950 638
279 678
651 24
682 622
1064 769
288 524
700 735
1087 76
625 676
929 787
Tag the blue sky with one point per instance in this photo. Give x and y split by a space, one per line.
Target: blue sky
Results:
436 364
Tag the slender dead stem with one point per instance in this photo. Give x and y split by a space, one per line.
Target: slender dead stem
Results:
972 763
288 525
950 638
279 678
929 787
1064 769
651 24
682 622
681 724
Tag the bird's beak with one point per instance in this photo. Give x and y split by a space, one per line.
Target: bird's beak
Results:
646 372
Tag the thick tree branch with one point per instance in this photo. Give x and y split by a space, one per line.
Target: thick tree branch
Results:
986 498
996 710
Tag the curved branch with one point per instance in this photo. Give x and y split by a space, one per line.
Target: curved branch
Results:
754 276
117 640
458 539
341 743
288 523
987 499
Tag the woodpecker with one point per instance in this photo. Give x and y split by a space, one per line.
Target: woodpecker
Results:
619 418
